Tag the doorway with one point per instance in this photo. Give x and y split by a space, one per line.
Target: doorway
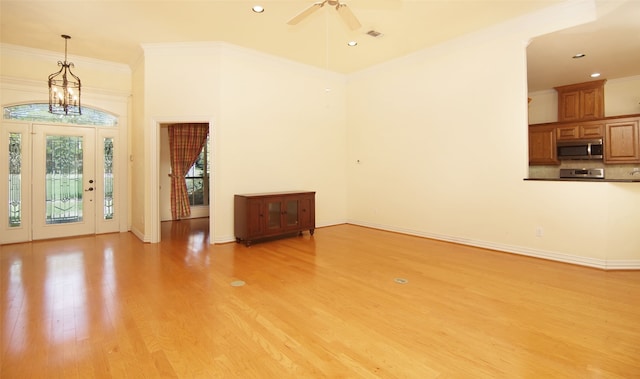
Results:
63 181
158 175
197 178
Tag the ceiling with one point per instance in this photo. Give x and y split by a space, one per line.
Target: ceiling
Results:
114 30
611 46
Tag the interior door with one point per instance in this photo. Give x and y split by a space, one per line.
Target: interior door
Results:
64 183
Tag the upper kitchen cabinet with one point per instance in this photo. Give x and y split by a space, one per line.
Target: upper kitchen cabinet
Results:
582 101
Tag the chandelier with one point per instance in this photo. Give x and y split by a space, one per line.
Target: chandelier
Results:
64 92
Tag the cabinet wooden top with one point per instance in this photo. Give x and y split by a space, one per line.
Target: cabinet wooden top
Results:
637 115
581 86
283 193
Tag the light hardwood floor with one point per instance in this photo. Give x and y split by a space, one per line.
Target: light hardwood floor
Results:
326 306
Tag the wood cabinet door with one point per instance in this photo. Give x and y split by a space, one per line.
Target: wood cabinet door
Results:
542 146
291 213
567 132
255 217
591 104
622 143
569 106
591 131
273 215
307 212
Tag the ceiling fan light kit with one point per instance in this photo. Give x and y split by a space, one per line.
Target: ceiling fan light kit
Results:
343 10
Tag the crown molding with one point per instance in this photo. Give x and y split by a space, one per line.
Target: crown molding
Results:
31 85
39 54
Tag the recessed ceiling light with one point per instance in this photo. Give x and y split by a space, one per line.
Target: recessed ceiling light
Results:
352 43
258 8
579 55
595 74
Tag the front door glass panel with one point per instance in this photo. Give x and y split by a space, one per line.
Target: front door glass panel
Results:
63 182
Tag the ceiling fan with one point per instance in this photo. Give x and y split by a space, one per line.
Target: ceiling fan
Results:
347 15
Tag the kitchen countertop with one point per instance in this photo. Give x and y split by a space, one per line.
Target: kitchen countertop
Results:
586 180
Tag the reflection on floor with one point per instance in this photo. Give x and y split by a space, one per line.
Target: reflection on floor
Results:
347 302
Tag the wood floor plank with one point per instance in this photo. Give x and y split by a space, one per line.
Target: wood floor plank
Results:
322 306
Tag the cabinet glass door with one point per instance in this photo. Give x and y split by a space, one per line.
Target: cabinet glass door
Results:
274 219
292 213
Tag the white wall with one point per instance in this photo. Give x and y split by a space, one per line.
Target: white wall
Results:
34 64
137 161
280 130
622 96
441 138
274 126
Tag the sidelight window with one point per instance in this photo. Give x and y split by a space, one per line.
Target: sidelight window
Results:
108 178
15 179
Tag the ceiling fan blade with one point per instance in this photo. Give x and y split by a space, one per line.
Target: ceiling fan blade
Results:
348 16
302 15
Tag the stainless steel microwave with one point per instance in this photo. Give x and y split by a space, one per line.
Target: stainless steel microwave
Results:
580 149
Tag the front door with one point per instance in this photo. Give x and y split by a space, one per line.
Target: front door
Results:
64 182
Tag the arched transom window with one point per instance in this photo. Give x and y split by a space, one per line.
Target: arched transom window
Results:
39 112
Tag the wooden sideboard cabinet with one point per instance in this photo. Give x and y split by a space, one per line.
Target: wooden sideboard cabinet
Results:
265 215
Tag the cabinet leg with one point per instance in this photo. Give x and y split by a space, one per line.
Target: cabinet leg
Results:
311 231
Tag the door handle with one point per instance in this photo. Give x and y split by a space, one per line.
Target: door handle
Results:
89 190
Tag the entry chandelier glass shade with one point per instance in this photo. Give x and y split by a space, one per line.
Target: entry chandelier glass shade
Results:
64 88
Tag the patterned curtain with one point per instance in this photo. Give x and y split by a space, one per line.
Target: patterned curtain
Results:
185 143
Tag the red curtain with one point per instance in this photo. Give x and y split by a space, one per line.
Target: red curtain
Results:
185 143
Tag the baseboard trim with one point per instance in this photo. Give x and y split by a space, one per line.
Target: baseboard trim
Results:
140 235
222 240
623 264
629 264
232 238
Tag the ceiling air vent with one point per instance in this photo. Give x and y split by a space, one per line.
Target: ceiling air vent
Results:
374 34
